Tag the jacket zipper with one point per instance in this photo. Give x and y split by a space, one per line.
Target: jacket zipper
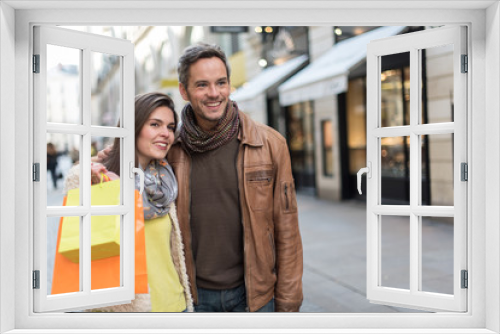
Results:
193 283
286 197
260 179
239 172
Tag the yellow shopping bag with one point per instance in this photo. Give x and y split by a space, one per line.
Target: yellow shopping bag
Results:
105 272
105 230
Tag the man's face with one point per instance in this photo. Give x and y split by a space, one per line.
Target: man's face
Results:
208 90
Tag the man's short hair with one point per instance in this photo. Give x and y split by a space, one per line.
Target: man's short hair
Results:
196 52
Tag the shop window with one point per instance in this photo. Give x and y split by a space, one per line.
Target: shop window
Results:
300 135
327 147
395 90
395 152
356 124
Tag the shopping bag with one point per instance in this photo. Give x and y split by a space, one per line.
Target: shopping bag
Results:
105 230
105 272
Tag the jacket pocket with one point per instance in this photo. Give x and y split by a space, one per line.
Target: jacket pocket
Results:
288 197
259 188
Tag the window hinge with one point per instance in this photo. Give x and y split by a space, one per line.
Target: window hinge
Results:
464 168
465 279
36 63
36 279
36 172
465 64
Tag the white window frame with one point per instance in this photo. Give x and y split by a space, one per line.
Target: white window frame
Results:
413 43
483 21
86 44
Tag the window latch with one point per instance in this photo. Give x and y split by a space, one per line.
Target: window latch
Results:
368 171
139 171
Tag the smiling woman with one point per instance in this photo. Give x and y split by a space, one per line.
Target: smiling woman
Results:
156 136
167 282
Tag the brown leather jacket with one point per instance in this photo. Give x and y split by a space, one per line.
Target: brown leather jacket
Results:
272 242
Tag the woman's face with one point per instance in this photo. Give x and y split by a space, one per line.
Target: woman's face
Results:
156 136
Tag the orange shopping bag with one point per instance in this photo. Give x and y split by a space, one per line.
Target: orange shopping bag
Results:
105 272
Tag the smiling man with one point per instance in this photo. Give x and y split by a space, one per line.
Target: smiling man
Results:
236 204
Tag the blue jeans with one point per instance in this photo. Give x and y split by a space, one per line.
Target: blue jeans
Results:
231 300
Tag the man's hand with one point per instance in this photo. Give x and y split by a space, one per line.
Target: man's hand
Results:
102 155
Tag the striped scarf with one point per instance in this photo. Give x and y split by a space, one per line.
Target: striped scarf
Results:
197 140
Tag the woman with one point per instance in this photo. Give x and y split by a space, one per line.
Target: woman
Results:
155 125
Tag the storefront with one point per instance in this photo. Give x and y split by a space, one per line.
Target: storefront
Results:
316 98
436 106
257 97
341 115
395 153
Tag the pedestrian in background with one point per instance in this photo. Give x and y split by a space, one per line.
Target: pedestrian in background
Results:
52 156
237 206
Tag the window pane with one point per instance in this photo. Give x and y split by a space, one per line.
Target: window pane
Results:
63 85
395 90
105 251
300 127
106 84
62 153
437 254
63 255
105 185
438 86
395 252
437 170
395 170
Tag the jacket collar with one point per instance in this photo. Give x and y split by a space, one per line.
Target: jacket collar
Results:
248 134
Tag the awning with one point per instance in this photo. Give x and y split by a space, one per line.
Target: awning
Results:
267 78
328 75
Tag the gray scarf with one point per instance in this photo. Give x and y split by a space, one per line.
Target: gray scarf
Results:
160 188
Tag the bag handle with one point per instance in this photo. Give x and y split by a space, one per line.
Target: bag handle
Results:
104 178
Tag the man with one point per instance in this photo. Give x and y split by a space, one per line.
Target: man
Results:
236 203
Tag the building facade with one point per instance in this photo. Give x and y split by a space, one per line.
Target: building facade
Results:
323 116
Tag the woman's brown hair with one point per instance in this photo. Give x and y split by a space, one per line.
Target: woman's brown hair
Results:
145 104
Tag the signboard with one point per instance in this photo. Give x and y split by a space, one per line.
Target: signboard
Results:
228 29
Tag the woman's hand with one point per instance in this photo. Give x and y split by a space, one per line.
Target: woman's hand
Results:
98 171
